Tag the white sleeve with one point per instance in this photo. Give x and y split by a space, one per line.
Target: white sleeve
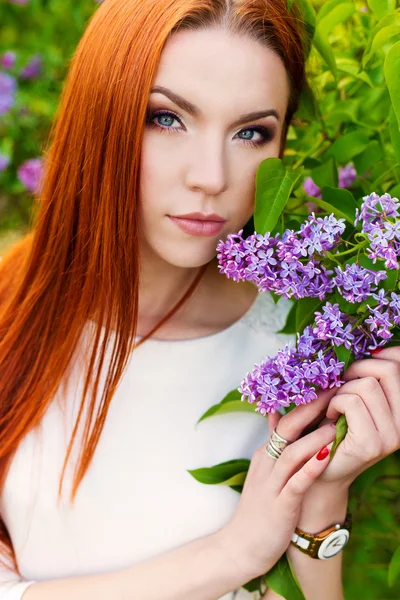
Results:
12 586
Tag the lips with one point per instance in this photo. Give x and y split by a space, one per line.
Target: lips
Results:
198 227
197 216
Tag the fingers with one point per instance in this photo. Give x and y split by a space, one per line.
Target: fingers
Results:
371 392
363 439
304 417
386 372
296 454
293 492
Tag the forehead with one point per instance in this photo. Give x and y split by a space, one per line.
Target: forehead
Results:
220 71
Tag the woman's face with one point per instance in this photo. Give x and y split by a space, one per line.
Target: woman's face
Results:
200 150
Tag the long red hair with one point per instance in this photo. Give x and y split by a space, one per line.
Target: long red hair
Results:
81 259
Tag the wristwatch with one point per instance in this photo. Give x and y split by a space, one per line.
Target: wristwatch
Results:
326 543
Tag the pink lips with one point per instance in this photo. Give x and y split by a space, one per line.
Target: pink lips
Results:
198 224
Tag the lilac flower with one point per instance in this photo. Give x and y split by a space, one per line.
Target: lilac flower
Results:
384 235
8 86
289 266
4 162
311 188
355 283
33 68
290 378
8 60
347 176
333 325
30 173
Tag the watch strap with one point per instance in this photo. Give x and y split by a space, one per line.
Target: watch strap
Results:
310 542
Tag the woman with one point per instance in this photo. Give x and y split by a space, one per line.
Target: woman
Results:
89 400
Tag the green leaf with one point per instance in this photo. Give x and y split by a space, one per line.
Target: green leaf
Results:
308 11
338 14
274 184
306 308
322 45
345 111
371 155
394 133
347 146
389 284
326 174
345 306
342 200
221 473
290 325
392 19
231 403
394 568
382 7
382 38
392 70
283 581
343 354
308 107
341 430
395 191
327 6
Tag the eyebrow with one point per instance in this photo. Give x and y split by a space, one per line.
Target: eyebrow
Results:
195 112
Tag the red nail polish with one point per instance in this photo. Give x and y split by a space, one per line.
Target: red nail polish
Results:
323 453
376 351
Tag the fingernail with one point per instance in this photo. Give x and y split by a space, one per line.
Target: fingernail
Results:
376 351
323 453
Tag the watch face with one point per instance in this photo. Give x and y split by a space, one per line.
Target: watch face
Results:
333 544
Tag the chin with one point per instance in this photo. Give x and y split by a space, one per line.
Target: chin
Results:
188 257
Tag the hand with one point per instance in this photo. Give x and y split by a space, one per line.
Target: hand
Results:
269 506
370 399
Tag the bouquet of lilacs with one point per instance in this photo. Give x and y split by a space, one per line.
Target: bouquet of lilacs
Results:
350 271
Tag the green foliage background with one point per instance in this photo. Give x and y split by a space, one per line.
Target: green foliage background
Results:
352 116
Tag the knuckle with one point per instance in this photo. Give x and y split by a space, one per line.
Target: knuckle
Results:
355 399
370 383
392 368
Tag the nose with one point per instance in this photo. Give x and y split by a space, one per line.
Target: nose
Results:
207 169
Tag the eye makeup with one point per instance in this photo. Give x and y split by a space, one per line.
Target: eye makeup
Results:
266 133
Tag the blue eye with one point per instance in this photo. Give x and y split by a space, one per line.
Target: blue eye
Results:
168 118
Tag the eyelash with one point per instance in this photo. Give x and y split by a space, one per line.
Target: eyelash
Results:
266 133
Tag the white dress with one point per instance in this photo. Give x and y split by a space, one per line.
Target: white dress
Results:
137 499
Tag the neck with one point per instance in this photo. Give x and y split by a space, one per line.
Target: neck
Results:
162 286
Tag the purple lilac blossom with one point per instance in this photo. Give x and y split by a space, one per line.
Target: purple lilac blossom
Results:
311 188
355 283
33 68
8 59
347 176
376 215
4 162
294 374
8 85
289 265
30 172
289 378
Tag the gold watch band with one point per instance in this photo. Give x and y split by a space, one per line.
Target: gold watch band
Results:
309 543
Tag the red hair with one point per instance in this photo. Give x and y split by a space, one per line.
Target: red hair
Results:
81 259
